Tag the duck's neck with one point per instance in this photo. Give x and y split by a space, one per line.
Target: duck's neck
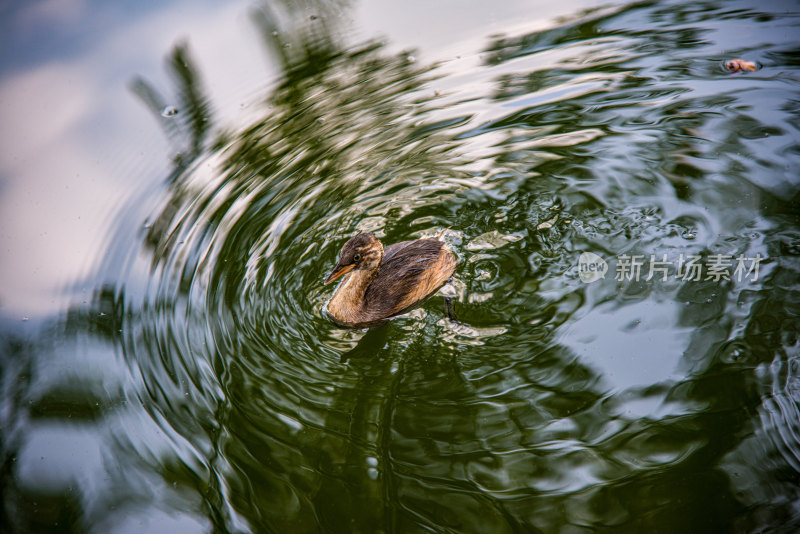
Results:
347 304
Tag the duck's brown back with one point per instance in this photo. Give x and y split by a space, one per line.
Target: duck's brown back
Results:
409 272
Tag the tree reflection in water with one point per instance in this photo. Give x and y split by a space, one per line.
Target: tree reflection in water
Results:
244 409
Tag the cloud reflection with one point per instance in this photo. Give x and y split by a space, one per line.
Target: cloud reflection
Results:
81 148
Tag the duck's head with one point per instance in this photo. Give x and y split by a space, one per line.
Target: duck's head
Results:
362 251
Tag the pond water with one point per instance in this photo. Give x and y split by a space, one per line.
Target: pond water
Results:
178 180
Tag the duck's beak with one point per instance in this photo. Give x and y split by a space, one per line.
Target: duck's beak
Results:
339 271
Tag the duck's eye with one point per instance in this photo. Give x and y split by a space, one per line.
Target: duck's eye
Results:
357 257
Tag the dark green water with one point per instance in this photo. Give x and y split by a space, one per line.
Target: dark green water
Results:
191 383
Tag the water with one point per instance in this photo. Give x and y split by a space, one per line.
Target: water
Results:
173 371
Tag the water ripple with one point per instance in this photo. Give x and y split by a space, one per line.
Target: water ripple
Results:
623 403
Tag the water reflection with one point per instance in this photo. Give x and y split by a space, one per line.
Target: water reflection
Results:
213 395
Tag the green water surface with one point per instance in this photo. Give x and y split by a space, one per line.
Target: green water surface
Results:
193 384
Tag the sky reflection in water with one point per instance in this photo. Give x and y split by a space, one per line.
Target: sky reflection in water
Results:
165 359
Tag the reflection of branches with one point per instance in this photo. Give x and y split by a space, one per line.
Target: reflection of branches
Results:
305 51
192 110
191 97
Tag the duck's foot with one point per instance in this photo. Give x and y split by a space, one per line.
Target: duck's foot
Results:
449 310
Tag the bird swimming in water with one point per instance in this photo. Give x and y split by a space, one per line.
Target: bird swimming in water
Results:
381 282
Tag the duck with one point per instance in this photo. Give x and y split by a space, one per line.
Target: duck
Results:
381 282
